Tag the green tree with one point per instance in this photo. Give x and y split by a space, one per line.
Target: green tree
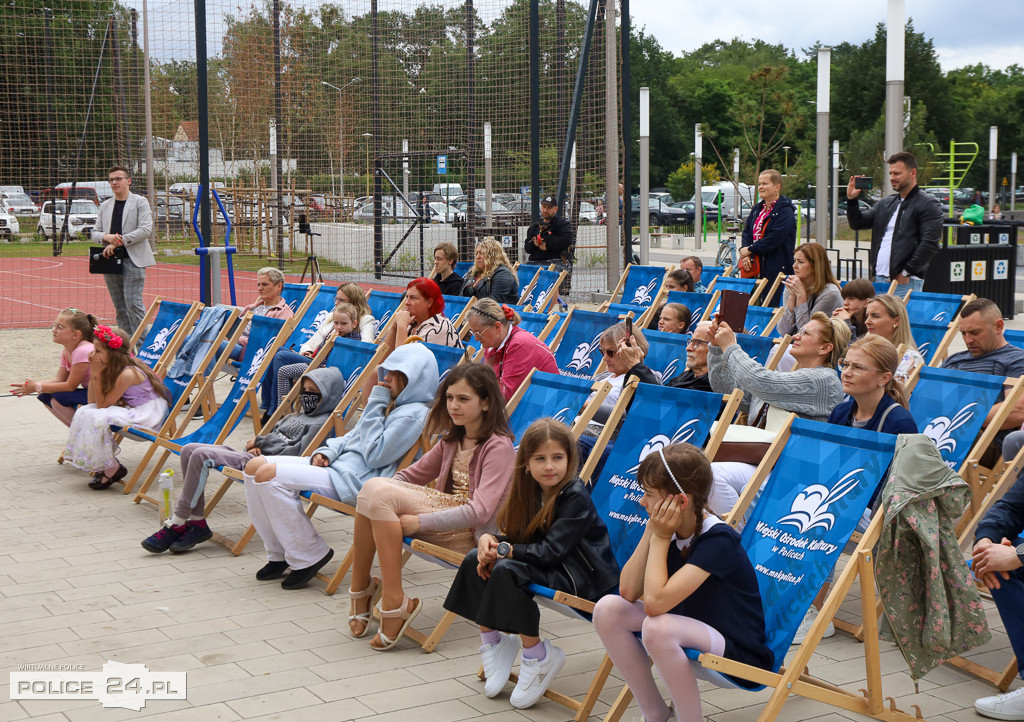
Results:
681 181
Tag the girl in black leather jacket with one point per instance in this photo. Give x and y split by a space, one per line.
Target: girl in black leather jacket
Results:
552 536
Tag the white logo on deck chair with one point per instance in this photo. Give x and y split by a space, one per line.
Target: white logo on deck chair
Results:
320 318
351 378
381 322
163 336
669 371
940 316
642 297
810 507
940 429
257 359
581 356
683 434
562 415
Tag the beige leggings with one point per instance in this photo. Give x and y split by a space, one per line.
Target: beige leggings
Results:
383 499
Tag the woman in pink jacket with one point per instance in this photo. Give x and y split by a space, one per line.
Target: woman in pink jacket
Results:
510 351
472 463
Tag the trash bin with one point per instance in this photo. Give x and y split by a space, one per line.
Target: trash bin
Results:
977 259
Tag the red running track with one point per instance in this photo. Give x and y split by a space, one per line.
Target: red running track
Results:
34 290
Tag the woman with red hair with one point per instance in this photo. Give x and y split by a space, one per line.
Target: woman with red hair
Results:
422 314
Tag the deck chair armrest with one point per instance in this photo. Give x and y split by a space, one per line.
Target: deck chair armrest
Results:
231 473
569 600
447 555
333 504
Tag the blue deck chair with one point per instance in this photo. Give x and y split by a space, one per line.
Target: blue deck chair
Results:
950 408
577 344
456 308
658 417
168 328
710 273
666 353
544 394
933 339
356 360
181 387
462 267
526 274
762 321
1014 337
882 288
701 305
934 307
294 293
639 285
641 314
266 335
383 305
319 309
539 324
448 357
753 286
758 348
544 292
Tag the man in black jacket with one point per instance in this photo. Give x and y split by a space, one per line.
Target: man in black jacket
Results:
551 240
999 563
905 227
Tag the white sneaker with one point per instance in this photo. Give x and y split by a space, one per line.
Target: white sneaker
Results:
1003 706
498 660
535 676
807 623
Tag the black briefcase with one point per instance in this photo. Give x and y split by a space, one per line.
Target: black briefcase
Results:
98 263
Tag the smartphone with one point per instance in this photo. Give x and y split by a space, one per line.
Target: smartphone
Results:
629 330
862 183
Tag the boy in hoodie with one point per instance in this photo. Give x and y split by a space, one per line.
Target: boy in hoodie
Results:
322 389
392 421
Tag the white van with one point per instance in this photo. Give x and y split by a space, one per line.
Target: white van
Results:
96 191
726 191
448 190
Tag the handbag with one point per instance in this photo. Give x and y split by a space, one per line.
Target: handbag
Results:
749 444
98 263
754 271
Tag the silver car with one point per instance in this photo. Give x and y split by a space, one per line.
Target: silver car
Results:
83 216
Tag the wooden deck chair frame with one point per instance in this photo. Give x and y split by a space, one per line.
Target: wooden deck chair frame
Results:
620 286
766 299
552 297
171 424
524 292
601 389
382 334
943 350
459 320
582 707
336 423
754 294
248 404
447 558
772 322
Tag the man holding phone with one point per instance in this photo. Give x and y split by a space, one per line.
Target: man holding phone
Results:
905 227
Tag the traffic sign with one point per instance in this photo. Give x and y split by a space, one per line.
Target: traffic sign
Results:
442 165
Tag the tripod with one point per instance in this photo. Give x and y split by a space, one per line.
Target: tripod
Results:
312 262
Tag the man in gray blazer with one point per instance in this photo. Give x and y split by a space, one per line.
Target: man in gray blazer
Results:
126 222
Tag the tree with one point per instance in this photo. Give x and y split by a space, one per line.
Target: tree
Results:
682 181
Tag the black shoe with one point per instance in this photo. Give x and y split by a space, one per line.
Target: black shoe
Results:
301 577
194 534
265 418
161 541
271 570
103 482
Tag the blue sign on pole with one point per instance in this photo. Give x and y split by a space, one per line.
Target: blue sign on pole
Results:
442 165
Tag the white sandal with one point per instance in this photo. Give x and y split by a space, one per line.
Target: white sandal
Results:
400 613
374 591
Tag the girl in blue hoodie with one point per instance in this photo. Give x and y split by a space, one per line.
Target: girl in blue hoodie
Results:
392 421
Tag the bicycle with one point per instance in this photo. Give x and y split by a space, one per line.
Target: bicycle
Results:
727 253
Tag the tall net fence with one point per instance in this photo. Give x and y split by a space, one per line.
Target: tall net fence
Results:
429 100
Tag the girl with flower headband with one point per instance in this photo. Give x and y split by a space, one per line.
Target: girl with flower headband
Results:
699 590
510 351
63 394
123 392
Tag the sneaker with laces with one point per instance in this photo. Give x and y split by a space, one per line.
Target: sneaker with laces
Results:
498 660
161 541
535 676
807 623
1002 706
196 532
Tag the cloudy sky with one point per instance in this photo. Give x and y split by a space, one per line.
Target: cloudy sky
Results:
991 32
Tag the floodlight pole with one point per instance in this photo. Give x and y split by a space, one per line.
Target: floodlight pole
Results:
895 44
645 171
611 149
1013 181
834 210
993 144
698 196
821 147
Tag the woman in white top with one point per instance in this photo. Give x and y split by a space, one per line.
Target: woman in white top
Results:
887 317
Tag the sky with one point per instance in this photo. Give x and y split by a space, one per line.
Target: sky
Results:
962 34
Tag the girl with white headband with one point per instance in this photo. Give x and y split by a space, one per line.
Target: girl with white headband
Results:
699 590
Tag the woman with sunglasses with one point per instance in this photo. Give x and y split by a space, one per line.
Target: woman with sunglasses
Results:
875 401
510 351
811 390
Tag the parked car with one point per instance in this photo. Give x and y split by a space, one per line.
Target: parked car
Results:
9 226
18 204
173 209
661 214
81 219
689 207
95 191
441 212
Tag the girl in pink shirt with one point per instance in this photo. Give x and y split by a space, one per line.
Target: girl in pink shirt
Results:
63 394
472 464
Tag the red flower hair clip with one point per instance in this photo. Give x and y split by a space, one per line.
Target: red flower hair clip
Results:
507 311
107 336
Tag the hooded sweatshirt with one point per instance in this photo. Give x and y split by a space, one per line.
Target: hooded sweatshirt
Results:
380 439
292 434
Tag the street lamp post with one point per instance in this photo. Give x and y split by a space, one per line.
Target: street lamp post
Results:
341 137
786 168
367 136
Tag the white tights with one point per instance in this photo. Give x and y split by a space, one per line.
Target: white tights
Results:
664 637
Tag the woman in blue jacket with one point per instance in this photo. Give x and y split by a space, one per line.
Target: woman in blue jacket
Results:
875 400
769 235
391 423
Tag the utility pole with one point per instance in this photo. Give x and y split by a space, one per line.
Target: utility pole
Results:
895 44
698 196
611 147
645 170
993 144
821 146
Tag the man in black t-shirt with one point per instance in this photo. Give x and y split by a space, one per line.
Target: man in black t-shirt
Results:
446 255
124 227
696 374
551 240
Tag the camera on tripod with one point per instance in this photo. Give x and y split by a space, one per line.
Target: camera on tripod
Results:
304 225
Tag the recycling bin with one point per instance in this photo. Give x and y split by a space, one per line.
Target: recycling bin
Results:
977 259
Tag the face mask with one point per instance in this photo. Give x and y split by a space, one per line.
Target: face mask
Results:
310 400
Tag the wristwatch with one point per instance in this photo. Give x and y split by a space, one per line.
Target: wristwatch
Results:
1020 554
504 549
904 274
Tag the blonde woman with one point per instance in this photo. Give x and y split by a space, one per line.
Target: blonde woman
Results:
810 289
875 401
886 316
491 276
